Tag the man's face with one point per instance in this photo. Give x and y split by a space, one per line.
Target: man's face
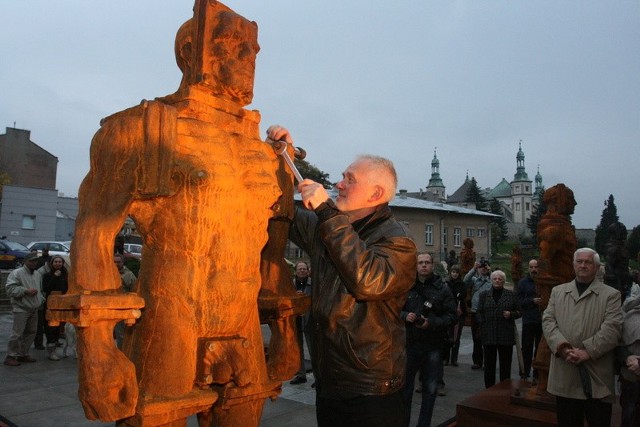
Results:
425 265
302 271
31 264
355 189
586 269
533 268
485 270
118 262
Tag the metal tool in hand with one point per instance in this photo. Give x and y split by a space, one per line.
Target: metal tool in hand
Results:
280 147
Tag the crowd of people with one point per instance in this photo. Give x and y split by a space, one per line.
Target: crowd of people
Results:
366 376
380 316
28 288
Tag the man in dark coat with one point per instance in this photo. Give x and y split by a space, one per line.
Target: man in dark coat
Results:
529 302
429 312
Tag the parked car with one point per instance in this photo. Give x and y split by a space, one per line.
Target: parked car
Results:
12 254
55 248
134 248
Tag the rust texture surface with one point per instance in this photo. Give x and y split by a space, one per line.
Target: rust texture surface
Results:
206 194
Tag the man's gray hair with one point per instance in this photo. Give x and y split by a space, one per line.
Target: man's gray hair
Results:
596 257
385 165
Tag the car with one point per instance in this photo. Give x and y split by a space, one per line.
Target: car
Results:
12 254
55 248
134 248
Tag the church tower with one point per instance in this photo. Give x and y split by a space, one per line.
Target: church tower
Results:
521 191
539 187
436 185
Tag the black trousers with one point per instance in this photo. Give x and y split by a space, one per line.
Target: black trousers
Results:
491 352
370 411
476 356
531 334
573 412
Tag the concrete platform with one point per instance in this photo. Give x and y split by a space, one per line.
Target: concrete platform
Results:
45 393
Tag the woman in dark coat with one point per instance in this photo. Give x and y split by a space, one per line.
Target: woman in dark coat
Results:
55 280
497 311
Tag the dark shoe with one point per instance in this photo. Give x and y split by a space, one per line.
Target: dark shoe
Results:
39 347
26 359
11 361
476 366
454 363
313 385
445 363
419 390
298 380
442 392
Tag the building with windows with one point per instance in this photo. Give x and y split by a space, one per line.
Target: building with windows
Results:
518 197
30 208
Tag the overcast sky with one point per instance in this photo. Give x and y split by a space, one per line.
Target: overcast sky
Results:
398 79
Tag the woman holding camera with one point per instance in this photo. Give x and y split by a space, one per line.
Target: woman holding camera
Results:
497 311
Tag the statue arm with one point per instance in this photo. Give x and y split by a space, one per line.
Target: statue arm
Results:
105 195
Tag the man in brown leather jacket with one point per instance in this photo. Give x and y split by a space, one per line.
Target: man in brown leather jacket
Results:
363 264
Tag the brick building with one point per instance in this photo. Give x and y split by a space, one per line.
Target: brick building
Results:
26 163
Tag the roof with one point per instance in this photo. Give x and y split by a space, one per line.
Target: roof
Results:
460 195
410 202
503 189
414 203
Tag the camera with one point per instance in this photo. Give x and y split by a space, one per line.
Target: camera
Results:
426 308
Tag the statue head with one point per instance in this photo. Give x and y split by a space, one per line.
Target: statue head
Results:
617 231
217 49
467 243
559 199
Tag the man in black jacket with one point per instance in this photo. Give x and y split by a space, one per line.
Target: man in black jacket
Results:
429 311
362 266
529 302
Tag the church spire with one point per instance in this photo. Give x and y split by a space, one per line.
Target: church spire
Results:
521 174
436 186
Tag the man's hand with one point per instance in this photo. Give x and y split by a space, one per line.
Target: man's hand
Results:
633 364
277 133
313 194
31 291
577 356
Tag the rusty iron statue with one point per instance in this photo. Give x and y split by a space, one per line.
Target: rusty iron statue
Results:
557 243
516 265
212 203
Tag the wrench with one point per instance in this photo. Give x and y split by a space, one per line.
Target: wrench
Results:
280 147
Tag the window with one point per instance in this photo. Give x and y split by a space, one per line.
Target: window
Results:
29 222
445 236
470 232
528 206
457 237
428 234
517 206
526 188
517 188
481 232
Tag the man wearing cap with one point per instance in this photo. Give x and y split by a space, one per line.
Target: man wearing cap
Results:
479 280
24 288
